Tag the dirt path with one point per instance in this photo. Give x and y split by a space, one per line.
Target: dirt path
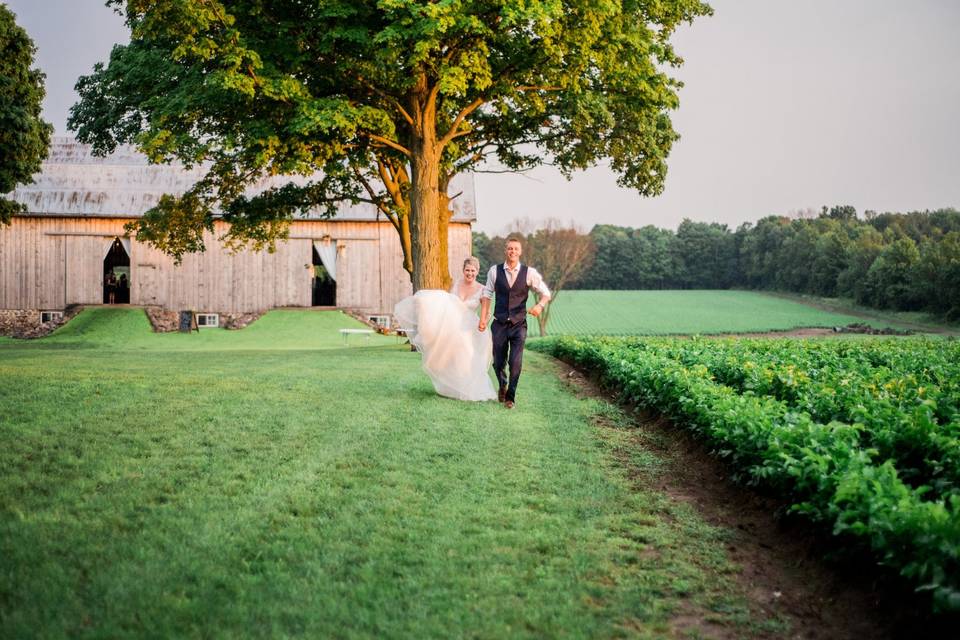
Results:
784 573
808 332
913 326
805 332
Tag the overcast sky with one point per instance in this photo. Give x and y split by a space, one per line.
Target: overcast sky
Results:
787 105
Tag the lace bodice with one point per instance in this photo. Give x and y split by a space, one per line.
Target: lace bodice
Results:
473 302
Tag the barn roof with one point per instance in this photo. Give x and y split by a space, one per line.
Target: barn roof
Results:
74 183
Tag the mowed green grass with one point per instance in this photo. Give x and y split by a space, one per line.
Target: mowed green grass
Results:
271 483
684 312
118 327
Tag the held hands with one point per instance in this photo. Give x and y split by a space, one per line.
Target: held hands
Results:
535 311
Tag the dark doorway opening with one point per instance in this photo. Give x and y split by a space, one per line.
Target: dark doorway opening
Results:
116 275
324 287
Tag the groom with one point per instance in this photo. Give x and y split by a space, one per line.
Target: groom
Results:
509 285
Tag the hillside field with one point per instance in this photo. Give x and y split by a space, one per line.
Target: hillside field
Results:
684 312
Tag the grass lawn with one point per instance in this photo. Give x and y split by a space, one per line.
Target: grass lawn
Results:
269 482
686 312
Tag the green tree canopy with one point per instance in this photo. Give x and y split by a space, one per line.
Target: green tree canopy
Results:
24 137
381 102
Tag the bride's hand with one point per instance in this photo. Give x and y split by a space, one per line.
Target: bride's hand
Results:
482 326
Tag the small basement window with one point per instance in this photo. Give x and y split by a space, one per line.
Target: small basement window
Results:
380 321
208 320
48 316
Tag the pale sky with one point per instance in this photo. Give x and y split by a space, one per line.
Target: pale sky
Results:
787 105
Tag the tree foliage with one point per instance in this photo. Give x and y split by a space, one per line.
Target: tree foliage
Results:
24 136
891 260
380 102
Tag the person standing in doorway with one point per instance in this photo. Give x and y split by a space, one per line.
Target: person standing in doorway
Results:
123 289
110 282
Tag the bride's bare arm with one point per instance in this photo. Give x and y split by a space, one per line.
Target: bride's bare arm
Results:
484 313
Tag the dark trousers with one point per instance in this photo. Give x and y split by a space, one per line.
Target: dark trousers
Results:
508 342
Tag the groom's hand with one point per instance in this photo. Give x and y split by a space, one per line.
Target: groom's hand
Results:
536 310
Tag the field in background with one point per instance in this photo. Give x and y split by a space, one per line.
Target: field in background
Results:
917 320
685 312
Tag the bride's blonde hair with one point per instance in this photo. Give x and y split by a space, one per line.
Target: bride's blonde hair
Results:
473 261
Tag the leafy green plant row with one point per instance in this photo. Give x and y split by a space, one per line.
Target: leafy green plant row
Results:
821 469
898 412
928 368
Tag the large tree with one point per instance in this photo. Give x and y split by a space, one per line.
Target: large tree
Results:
380 101
24 136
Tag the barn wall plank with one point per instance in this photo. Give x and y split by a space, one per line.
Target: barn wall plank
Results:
47 262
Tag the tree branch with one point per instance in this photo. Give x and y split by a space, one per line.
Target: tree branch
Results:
391 216
236 36
386 96
389 143
452 131
391 180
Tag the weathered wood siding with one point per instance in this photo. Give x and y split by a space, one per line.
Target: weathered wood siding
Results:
50 262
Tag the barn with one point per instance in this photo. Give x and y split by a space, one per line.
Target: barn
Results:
70 248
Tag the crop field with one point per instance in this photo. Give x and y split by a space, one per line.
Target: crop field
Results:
682 312
861 438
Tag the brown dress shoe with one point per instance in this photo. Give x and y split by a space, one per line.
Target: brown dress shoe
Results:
502 394
508 404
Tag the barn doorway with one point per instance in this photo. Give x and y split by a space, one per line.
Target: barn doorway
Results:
116 274
323 282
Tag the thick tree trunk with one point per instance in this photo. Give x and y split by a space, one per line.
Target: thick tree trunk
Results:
429 272
429 248
443 232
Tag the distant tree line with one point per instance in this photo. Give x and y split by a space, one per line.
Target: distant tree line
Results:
901 261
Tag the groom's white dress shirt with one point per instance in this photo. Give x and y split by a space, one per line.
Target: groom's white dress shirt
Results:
534 281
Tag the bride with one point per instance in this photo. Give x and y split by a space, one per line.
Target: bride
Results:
443 327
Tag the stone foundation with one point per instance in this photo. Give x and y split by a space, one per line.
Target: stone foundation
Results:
14 322
364 317
164 321
238 320
25 323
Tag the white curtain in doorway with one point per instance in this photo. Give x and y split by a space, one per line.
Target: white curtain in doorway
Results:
124 241
327 250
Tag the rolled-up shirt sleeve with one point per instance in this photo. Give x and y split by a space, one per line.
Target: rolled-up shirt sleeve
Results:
535 282
488 285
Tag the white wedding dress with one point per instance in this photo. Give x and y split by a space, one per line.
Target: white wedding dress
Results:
443 328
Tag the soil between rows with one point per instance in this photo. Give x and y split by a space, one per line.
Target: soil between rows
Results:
788 571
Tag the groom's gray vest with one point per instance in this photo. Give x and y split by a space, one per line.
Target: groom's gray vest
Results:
510 304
